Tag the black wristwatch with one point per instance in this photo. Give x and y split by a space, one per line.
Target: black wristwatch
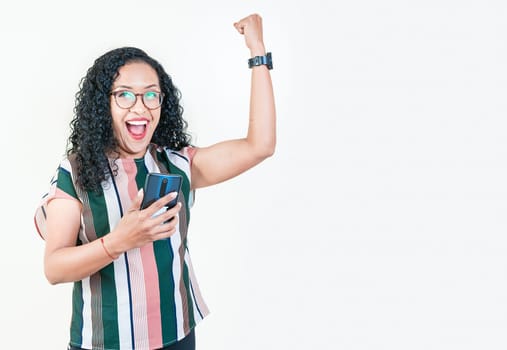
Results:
260 60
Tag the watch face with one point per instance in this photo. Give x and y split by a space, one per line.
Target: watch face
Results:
269 60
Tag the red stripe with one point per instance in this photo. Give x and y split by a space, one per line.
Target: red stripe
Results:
152 296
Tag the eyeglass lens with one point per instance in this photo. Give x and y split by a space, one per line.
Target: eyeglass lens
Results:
127 99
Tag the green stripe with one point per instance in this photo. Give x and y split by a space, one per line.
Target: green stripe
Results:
76 324
164 257
141 174
109 309
185 185
65 183
99 211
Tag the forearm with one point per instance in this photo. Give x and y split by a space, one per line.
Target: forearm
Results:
262 121
69 264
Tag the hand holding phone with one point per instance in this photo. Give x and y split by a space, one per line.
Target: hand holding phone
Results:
154 221
158 185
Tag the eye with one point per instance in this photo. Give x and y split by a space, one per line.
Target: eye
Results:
126 95
151 95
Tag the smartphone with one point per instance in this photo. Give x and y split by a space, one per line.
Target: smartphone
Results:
158 185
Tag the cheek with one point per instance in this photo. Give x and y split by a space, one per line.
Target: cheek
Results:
117 122
116 112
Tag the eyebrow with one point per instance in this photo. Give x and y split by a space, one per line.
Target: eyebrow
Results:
130 87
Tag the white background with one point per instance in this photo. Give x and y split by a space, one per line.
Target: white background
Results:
380 221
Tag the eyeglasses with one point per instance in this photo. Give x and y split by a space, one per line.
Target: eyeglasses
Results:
127 99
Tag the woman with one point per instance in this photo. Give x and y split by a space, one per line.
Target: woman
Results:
134 287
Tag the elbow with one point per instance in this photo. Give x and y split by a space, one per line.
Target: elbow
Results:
267 150
53 280
51 275
264 153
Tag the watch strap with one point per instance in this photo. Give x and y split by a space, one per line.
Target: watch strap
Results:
261 60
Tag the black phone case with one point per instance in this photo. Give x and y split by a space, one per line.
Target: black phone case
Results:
158 185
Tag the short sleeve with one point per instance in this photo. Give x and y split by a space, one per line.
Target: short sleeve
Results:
182 160
61 186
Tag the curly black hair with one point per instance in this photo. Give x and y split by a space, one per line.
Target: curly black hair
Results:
92 138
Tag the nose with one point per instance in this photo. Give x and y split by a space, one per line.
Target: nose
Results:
138 106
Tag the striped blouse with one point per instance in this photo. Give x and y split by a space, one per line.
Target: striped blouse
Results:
148 298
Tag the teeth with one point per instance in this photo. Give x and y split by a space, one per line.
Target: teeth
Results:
137 122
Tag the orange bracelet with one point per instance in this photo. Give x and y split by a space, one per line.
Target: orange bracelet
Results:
105 249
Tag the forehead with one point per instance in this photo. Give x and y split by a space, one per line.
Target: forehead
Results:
136 74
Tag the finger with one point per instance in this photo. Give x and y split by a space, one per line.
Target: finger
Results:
167 229
136 203
168 215
164 230
165 233
160 203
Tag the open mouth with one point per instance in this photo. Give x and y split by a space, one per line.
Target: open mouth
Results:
137 128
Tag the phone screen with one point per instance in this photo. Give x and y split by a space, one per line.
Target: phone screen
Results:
158 185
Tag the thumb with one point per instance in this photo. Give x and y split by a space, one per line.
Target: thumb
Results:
239 28
136 203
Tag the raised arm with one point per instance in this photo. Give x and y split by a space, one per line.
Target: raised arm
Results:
228 159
